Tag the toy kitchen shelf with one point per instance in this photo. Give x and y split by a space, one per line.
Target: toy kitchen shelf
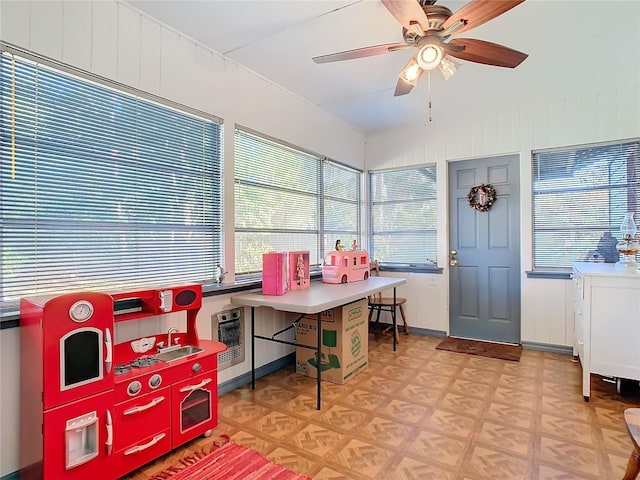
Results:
134 305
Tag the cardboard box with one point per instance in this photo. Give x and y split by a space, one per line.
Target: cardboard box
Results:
345 343
275 266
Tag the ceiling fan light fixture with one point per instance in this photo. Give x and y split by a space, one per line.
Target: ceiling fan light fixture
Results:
411 72
447 68
429 57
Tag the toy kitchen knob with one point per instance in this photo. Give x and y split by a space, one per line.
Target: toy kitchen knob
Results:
196 368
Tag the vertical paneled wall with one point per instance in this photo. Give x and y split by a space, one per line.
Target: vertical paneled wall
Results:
590 114
115 41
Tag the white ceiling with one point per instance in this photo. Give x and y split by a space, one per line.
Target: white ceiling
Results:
278 38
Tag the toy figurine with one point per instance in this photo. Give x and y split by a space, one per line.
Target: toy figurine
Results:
300 270
338 245
218 274
354 245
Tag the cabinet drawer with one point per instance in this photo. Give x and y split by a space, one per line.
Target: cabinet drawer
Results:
139 453
142 416
190 369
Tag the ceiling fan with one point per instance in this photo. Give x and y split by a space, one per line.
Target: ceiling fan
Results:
428 27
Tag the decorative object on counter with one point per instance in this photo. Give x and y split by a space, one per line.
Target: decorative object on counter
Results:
607 248
343 266
354 245
338 245
482 197
227 460
593 256
299 267
629 246
218 274
274 273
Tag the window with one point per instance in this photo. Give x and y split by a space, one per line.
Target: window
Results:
101 189
403 211
580 195
288 199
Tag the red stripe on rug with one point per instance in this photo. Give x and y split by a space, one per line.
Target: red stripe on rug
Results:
229 462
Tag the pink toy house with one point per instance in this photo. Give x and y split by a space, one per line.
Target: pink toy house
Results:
274 273
299 270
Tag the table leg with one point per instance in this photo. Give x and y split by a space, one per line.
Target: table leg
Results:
319 359
393 319
633 466
253 348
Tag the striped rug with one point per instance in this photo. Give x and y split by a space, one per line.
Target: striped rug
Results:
229 462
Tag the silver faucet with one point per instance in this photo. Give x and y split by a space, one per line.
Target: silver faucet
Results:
171 330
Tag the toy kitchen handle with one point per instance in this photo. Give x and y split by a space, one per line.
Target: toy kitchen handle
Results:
150 443
191 388
108 345
109 425
142 408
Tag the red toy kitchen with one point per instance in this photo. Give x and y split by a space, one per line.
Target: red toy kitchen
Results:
94 409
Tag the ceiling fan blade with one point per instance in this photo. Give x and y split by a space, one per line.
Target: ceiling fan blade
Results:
477 12
402 87
408 13
488 53
360 52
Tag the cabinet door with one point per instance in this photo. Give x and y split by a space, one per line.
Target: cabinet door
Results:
615 329
194 407
78 440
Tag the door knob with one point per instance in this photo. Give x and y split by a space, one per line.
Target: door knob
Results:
453 261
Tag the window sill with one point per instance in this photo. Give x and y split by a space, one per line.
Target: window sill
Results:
410 268
550 274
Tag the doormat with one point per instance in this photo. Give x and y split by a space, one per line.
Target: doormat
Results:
484 349
227 461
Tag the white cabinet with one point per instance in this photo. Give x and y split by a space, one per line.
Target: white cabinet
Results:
607 322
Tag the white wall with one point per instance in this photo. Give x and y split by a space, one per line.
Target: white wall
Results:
574 103
115 41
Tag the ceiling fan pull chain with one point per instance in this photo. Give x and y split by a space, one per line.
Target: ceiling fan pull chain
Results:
429 91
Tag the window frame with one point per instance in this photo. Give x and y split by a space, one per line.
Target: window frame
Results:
321 194
429 264
63 77
609 190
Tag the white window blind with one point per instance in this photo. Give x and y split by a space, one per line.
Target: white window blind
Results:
403 210
288 199
580 195
341 205
100 189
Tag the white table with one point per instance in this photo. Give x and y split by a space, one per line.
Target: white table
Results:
316 299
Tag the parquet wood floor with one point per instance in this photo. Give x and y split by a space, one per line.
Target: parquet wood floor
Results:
425 414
